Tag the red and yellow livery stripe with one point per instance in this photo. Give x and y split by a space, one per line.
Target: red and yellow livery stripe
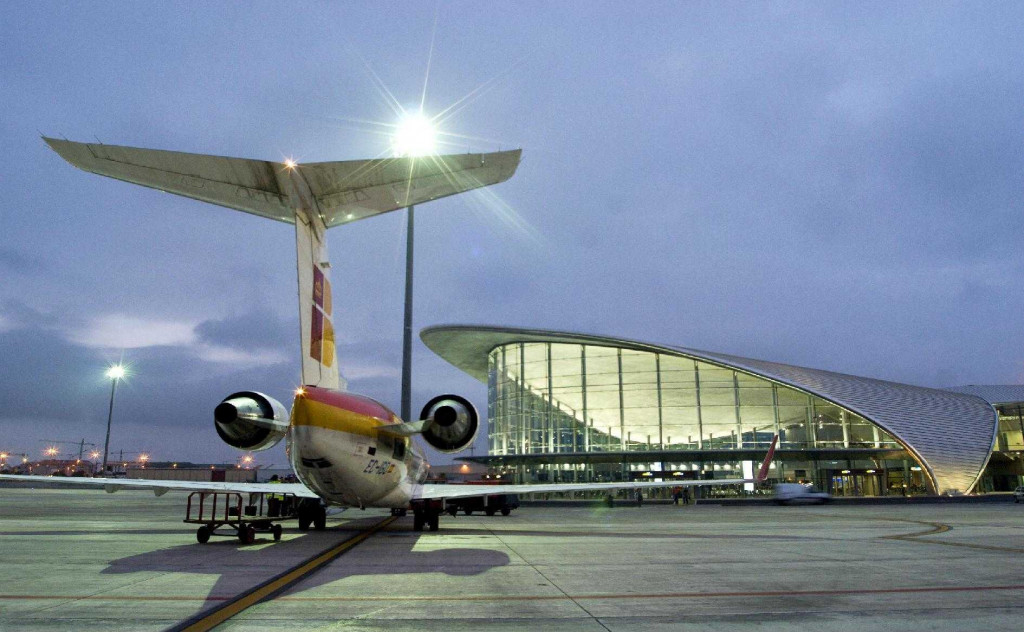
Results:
345 412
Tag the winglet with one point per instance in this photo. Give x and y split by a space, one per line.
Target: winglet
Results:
762 473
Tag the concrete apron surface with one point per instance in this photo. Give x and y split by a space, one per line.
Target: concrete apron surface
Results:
89 560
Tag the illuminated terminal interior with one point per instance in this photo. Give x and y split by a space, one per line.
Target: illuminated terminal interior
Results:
574 408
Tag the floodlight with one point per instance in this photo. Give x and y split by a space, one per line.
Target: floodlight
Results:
115 372
414 136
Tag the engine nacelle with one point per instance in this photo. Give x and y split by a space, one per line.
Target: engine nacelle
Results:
452 423
250 421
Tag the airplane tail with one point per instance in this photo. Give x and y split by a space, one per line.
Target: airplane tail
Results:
762 473
316 305
314 197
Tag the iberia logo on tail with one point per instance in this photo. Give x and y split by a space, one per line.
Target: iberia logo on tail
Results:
321 345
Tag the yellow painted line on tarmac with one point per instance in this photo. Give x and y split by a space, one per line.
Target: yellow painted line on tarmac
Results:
275 585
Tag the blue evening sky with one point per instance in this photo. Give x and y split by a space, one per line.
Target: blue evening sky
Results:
835 185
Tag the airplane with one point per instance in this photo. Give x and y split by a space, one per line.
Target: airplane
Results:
347 450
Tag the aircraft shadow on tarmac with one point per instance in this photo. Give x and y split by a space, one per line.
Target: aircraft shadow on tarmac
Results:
240 567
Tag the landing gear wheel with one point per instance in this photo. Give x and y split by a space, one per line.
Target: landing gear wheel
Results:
246 533
276 530
453 511
432 521
489 511
505 511
417 521
304 521
320 519
203 535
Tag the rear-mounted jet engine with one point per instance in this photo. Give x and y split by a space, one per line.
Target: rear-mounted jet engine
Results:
251 421
452 423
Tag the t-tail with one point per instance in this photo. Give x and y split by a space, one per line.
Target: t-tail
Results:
316 306
313 196
762 474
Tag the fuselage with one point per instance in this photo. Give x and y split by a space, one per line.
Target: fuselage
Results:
339 448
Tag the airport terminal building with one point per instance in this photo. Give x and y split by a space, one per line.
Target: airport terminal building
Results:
566 407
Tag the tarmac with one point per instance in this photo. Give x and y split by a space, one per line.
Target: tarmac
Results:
87 560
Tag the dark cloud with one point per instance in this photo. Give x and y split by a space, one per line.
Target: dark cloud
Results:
164 406
17 314
254 330
17 262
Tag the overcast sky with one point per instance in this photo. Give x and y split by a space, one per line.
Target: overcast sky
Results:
830 185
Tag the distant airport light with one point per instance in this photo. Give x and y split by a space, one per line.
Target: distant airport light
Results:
846 471
115 372
870 471
94 454
414 136
51 451
143 457
915 468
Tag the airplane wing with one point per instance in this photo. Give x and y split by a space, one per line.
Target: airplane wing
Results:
159 488
428 491
345 191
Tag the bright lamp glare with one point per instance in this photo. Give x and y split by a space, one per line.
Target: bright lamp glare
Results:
115 372
415 136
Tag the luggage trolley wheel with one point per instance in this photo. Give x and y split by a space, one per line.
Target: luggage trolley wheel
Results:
203 534
276 529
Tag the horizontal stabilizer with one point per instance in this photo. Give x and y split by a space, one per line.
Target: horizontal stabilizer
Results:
345 191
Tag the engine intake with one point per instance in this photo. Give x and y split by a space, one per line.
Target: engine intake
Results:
250 421
452 423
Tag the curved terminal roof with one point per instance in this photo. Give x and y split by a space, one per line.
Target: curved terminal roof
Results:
951 433
994 394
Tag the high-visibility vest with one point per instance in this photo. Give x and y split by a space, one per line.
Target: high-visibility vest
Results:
276 496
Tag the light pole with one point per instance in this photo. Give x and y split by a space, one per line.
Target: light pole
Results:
115 373
407 325
414 137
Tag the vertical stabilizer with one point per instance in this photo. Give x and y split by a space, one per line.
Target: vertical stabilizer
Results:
316 309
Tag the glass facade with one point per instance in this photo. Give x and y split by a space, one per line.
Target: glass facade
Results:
1005 470
578 404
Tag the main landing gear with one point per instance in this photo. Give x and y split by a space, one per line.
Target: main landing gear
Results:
426 513
311 512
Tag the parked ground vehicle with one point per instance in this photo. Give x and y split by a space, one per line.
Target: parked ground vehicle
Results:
1018 494
490 504
794 493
